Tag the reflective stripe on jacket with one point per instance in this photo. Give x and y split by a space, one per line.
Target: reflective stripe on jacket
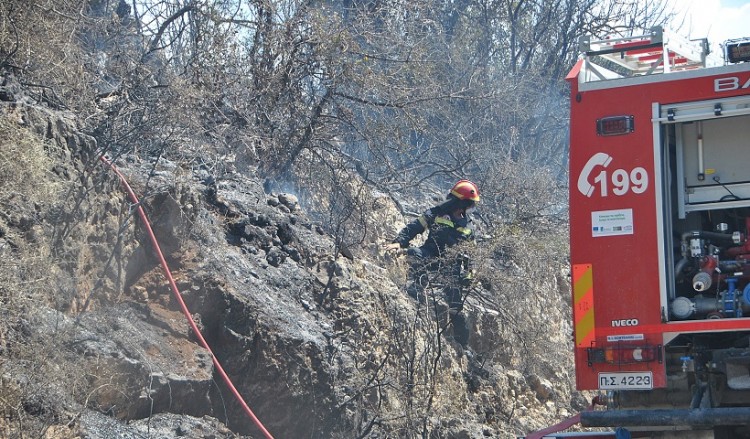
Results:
444 231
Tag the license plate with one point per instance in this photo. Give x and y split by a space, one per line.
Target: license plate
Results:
626 381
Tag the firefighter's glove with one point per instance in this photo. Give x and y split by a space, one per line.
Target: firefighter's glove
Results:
394 248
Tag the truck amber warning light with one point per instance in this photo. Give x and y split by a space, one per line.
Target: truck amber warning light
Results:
738 50
615 125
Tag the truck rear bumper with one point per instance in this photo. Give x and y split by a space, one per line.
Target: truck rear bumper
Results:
667 417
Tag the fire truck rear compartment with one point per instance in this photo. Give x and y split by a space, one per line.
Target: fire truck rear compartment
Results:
707 218
706 174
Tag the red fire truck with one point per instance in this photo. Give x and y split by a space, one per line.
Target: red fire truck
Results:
660 235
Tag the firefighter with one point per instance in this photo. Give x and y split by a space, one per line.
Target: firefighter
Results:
447 224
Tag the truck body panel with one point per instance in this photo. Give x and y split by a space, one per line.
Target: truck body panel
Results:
659 219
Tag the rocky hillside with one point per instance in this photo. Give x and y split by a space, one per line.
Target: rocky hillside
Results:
320 340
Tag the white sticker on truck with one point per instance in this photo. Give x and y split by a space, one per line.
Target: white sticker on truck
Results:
626 337
612 222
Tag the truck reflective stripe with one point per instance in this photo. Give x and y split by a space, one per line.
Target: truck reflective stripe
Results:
583 304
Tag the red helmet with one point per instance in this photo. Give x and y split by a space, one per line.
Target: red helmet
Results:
465 190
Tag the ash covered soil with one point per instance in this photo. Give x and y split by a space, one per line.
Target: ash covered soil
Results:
321 341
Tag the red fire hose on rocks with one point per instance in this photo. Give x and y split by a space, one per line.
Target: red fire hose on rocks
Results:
184 307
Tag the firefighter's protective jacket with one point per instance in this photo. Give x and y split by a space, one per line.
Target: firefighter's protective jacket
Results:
445 230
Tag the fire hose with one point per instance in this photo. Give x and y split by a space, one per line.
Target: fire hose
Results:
183 306
564 424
